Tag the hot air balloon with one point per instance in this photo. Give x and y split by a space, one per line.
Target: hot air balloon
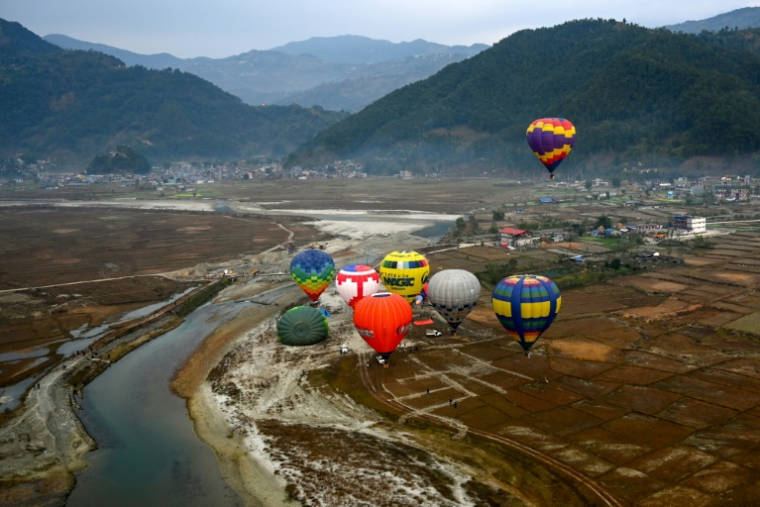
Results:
312 270
420 298
526 306
551 139
302 325
356 281
454 292
404 273
383 319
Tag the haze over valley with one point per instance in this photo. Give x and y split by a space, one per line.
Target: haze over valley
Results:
473 254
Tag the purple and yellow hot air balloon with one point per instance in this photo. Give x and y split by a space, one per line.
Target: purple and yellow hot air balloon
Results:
551 139
313 271
526 306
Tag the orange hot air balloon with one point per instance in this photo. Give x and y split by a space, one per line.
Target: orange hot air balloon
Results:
383 319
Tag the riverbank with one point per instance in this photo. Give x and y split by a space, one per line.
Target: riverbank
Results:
253 481
44 445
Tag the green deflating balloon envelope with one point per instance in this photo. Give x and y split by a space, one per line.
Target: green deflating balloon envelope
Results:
302 325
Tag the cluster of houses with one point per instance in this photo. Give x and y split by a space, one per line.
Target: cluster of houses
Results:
723 188
514 238
339 169
182 176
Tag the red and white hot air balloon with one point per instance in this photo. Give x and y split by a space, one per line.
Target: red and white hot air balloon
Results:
356 281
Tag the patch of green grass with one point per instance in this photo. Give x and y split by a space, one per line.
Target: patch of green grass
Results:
606 242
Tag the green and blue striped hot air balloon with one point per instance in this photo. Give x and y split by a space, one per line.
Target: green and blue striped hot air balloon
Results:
526 306
313 272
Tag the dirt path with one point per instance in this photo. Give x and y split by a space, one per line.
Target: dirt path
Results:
97 280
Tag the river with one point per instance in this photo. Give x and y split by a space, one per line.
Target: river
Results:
149 453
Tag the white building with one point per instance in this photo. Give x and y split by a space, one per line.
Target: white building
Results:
696 224
687 223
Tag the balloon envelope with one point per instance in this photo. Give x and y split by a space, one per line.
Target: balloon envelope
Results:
551 139
526 306
313 271
302 325
404 273
383 319
454 293
356 281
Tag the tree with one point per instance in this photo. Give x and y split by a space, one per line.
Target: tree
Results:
603 221
121 160
473 224
498 215
616 181
588 184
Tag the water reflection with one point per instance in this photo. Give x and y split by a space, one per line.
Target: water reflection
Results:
149 453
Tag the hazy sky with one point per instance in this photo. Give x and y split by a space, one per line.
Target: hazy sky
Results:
219 28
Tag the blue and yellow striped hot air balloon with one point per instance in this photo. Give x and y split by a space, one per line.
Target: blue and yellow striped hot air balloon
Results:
313 271
526 306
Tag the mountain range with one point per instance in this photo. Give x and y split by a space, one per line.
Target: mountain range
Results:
78 104
634 95
336 73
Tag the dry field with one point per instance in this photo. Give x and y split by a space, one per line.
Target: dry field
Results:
455 196
50 250
46 246
647 386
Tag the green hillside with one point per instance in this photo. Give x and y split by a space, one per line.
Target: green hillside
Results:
631 92
78 104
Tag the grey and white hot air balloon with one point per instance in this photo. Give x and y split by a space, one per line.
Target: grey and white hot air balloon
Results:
453 292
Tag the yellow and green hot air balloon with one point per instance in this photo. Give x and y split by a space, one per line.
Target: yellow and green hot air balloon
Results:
404 273
526 306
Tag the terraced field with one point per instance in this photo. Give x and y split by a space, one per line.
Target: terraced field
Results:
646 385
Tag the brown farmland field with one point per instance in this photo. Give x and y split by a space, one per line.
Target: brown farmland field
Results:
52 253
47 246
646 385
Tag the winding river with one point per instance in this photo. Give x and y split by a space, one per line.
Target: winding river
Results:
149 453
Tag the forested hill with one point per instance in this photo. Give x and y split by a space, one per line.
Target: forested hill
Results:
630 91
77 104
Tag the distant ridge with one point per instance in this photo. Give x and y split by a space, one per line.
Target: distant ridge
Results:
158 61
336 73
76 104
747 17
358 49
